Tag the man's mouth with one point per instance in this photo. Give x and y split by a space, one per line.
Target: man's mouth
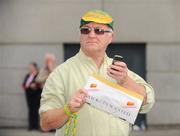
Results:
91 42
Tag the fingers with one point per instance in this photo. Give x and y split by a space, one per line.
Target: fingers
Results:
83 93
78 100
120 63
119 66
118 71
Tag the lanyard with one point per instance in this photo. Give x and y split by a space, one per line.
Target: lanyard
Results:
71 121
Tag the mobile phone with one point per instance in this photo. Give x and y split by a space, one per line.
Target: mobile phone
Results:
117 58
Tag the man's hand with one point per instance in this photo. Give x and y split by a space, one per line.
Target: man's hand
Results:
78 100
33 86
119 72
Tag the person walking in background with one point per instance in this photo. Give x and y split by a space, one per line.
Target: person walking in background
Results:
32 92
50 64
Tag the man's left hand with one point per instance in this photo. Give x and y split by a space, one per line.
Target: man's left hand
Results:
119 72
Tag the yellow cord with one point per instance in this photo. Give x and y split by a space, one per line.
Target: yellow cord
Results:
72 116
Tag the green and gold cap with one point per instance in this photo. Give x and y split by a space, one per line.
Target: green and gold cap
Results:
97 16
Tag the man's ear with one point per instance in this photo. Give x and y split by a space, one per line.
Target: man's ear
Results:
112 37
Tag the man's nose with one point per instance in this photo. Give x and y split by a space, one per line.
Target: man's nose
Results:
92 34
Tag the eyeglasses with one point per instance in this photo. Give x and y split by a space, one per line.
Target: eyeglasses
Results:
98 31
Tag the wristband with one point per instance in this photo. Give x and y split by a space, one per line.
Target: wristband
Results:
67 110
72 121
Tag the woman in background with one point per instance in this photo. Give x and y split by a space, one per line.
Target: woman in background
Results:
33 94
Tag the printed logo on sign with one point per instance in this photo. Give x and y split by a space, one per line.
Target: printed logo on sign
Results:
129 104
92 87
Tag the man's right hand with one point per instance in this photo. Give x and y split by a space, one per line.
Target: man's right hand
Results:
78 100
56 118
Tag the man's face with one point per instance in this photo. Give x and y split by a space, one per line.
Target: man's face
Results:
93 42
49 61
31 68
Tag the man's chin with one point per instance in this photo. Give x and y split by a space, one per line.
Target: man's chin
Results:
91 48
94 49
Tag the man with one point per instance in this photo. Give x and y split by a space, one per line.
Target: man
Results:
50 64
63 94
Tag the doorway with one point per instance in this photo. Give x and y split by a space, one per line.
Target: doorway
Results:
134 54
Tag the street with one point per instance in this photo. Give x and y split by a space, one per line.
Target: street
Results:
151 132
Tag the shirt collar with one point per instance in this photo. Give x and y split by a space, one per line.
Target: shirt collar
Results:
84 57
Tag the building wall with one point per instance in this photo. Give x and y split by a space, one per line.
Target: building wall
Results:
29 29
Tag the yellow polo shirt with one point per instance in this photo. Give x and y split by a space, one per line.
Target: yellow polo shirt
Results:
72 75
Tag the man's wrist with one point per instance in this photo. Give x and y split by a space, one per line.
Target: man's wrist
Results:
124 83
67 110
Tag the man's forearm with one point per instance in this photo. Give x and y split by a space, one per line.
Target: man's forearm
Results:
53 119
140 89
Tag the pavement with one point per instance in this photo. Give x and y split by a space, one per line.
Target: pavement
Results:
150 132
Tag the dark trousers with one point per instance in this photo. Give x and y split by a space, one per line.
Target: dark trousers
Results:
33 103
141 120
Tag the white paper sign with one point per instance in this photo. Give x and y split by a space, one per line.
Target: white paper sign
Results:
112 98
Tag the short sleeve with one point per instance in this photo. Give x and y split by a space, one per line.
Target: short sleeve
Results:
149 90
53 96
